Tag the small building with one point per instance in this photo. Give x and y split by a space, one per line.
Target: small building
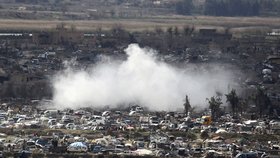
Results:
207 31
274 59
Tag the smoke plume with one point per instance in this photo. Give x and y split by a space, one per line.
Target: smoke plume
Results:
140 79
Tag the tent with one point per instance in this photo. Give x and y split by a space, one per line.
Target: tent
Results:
143 152
77 147
221 131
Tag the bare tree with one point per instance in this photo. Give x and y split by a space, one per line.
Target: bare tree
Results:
262 101
158 30
233 99
187 105
214 105
243 105
176 31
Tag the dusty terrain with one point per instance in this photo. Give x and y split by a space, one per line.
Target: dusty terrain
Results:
143 24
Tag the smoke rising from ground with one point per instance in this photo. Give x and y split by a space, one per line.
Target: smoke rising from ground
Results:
141 79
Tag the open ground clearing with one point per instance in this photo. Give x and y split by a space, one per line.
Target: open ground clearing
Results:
143 23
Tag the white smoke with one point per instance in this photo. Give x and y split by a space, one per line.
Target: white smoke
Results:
140 79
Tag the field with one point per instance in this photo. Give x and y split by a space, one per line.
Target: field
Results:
142 24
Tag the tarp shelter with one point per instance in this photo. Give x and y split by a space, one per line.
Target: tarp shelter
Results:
77 146
143 152
221 131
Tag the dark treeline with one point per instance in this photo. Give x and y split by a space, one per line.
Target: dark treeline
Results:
189 7
184 7
230 7
270 7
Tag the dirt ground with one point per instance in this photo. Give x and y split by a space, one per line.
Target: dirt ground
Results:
149 23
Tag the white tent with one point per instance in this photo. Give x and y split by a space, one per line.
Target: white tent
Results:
143 152
221 131
77 147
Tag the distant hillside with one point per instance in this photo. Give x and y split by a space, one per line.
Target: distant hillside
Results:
96 9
